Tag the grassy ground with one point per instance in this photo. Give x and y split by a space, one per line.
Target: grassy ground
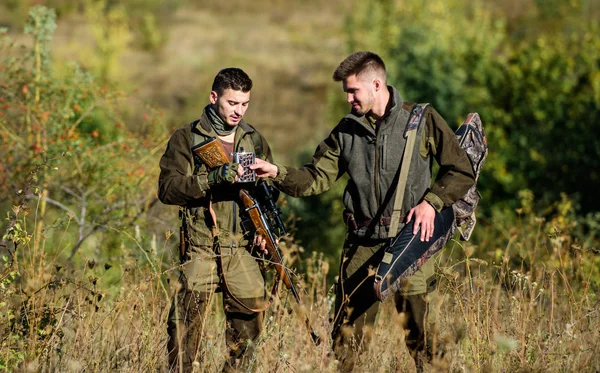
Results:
491 318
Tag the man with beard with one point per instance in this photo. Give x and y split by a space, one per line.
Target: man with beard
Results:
367 144
210 212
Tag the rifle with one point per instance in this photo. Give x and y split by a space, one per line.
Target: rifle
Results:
264 217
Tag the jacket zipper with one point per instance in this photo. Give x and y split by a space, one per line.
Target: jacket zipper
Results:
383 155
233 204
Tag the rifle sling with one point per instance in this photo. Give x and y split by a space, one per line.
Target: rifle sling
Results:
411 134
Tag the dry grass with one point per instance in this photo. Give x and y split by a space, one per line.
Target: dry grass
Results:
491 317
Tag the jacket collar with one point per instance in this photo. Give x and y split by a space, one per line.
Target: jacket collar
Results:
391 111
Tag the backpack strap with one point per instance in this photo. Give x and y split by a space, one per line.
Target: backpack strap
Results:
260 148
410 134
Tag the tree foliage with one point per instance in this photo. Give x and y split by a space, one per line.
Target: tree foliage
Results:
538 96
64 137
77 186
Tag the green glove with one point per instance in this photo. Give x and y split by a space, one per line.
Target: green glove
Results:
223 174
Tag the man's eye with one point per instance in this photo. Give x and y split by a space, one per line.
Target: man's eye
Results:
245 104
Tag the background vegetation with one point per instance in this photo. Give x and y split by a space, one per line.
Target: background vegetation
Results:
90 92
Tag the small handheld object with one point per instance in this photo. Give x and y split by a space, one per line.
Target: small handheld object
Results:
245 159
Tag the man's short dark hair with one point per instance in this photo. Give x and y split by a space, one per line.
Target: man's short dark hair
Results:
357 63
232 78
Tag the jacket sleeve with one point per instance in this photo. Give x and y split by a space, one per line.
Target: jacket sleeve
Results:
315 177
455 175
176 184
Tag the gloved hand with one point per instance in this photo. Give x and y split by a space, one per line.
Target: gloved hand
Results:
224 174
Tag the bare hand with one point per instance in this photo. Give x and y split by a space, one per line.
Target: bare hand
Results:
261 243
240 172
424 215
264 168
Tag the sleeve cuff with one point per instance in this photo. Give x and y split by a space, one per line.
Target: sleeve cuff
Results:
202 181
281 174
434 201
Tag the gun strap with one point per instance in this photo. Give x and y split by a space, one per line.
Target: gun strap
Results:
410 134
221 269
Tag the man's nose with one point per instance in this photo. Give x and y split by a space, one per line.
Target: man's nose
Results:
350 98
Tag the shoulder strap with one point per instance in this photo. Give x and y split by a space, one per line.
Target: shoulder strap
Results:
259 145
196 138
410 134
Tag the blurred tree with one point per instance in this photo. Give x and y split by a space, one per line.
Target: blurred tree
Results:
317 220
550 98
82 180
112 36
531 93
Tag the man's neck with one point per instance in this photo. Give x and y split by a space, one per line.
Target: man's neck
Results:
381 104
229 138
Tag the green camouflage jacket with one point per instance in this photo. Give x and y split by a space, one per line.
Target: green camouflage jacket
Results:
371 156
183 182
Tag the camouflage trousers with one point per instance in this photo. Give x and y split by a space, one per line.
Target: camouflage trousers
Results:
356 305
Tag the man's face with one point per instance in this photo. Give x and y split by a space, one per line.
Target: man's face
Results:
231 105
361 94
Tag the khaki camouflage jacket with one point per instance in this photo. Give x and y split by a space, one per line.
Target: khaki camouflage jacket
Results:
372 155
183 182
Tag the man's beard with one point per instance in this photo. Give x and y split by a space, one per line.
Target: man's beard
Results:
359 112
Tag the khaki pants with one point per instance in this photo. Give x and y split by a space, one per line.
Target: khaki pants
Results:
356 305
190 306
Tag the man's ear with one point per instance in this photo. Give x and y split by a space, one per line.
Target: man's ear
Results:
377 84
213 97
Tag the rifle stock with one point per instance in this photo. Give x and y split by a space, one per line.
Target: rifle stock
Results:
262 228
